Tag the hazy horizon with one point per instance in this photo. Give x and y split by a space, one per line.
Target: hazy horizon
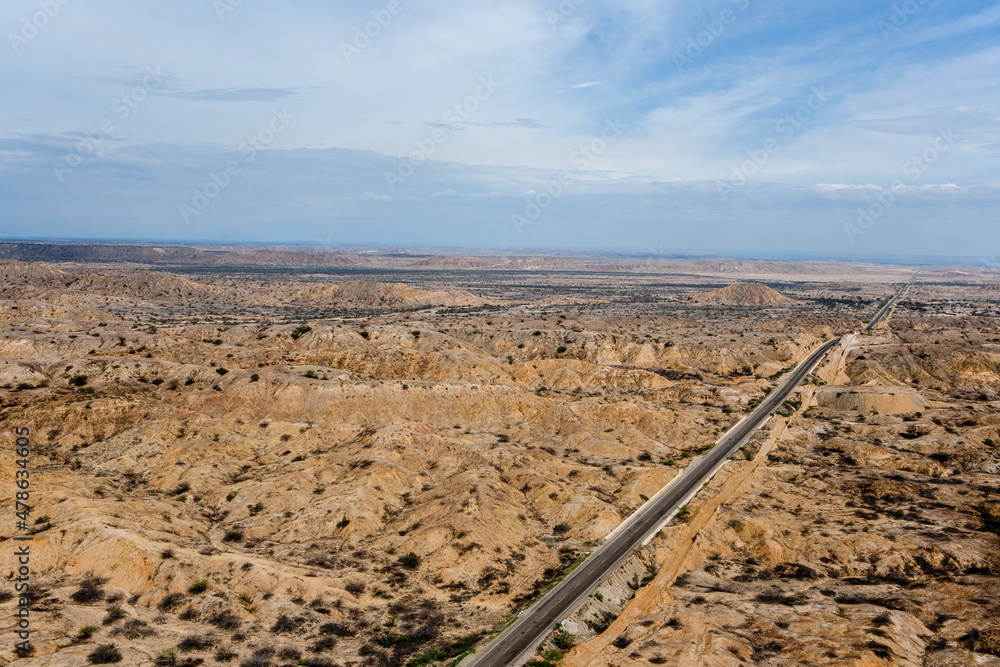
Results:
639 254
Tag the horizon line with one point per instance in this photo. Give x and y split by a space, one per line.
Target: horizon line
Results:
898 259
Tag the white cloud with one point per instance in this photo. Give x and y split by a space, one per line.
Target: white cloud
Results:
557 86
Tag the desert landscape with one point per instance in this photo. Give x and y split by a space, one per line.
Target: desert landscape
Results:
282 456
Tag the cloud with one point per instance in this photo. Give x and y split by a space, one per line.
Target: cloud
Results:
529 123
911 192
230 94
748 87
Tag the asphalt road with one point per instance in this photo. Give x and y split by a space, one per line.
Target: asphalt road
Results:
887 307
536 622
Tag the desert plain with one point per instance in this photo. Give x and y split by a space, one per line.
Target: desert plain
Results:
277 456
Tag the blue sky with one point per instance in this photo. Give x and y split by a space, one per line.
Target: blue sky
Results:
726 126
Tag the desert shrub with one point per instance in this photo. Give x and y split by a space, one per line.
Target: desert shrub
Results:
114 614
247 601
776 596
170 602
425 633
563 640
390 639
319 662
324 643
795 571
290 653
199 586
134 629
376 655
410 560
194 643
89 591
336 628
262 657
225 620
355 588
105 655
225 654
85 633
601 622
233 535
463 645
561 528
287 624
428 658
166 659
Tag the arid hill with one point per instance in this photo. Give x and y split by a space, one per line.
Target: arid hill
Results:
397 295
743 294
45 281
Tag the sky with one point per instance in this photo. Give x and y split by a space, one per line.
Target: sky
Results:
854 128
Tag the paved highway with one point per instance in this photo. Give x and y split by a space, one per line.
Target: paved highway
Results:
892 302
534 624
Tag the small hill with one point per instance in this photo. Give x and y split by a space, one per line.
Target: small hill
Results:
142 284
34 274
379 296
375 295
883 400
743 294
138 284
